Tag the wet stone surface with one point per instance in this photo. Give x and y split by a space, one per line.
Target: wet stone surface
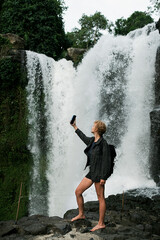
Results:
139 219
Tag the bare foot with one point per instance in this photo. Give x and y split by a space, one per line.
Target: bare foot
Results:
97 227
78 217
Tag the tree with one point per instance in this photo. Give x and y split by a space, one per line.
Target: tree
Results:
1 3
89 33
40 23
136 20
120 26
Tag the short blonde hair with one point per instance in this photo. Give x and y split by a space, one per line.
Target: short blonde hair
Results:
101 126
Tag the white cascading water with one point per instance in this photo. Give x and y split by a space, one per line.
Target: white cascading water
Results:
114 83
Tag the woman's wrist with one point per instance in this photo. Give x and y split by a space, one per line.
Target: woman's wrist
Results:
75 127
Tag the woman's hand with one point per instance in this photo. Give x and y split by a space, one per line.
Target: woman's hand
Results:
102 182
74 125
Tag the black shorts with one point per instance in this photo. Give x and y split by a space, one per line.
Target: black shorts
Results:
89 176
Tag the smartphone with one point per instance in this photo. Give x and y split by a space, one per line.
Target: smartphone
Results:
73 119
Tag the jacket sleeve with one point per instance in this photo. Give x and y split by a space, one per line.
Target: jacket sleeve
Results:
106 161
83 137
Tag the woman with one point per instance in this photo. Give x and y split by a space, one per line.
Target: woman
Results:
99 162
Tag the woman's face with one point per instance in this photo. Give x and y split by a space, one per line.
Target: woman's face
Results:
94 128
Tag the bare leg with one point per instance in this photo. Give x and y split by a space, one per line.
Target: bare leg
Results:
102 206
84 185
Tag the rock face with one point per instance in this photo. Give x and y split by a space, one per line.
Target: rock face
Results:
155 126
15 158
139 219
158 25
75 54
16 41
16 48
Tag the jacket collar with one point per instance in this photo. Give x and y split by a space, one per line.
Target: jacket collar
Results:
99 140
96 143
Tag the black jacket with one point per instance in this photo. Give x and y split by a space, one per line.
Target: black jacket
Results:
100 159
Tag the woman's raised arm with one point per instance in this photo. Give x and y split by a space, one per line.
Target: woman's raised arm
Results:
82 136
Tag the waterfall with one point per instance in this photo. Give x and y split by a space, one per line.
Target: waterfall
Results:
114 83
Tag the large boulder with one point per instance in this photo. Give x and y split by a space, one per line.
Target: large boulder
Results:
15 41
75 54
14 48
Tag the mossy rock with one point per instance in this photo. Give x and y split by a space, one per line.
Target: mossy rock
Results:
15 158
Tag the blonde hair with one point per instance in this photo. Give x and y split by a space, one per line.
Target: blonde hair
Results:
101 126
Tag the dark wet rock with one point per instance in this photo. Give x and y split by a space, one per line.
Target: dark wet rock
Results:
155 125
62 227
75 53
157 77
15 41
84 230
155 122
140 227
111 224
155 237
35 229
138 220
18 237
15 48
158 25
35 225
156 228
92 215
71 214
72 235
91 206
136 217
148 227
81 223
7 228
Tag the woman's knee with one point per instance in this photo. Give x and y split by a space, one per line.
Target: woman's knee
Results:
78 192
100 197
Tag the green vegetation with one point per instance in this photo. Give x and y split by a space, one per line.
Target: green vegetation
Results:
89 33
39 23
15 159
91 27
136 20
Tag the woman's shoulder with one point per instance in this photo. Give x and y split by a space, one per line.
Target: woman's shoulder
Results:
104 142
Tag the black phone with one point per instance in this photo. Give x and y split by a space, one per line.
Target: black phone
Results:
73 119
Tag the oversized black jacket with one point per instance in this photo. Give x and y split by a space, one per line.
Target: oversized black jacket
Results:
100 158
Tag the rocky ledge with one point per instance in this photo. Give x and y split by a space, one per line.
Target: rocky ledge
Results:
127 217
